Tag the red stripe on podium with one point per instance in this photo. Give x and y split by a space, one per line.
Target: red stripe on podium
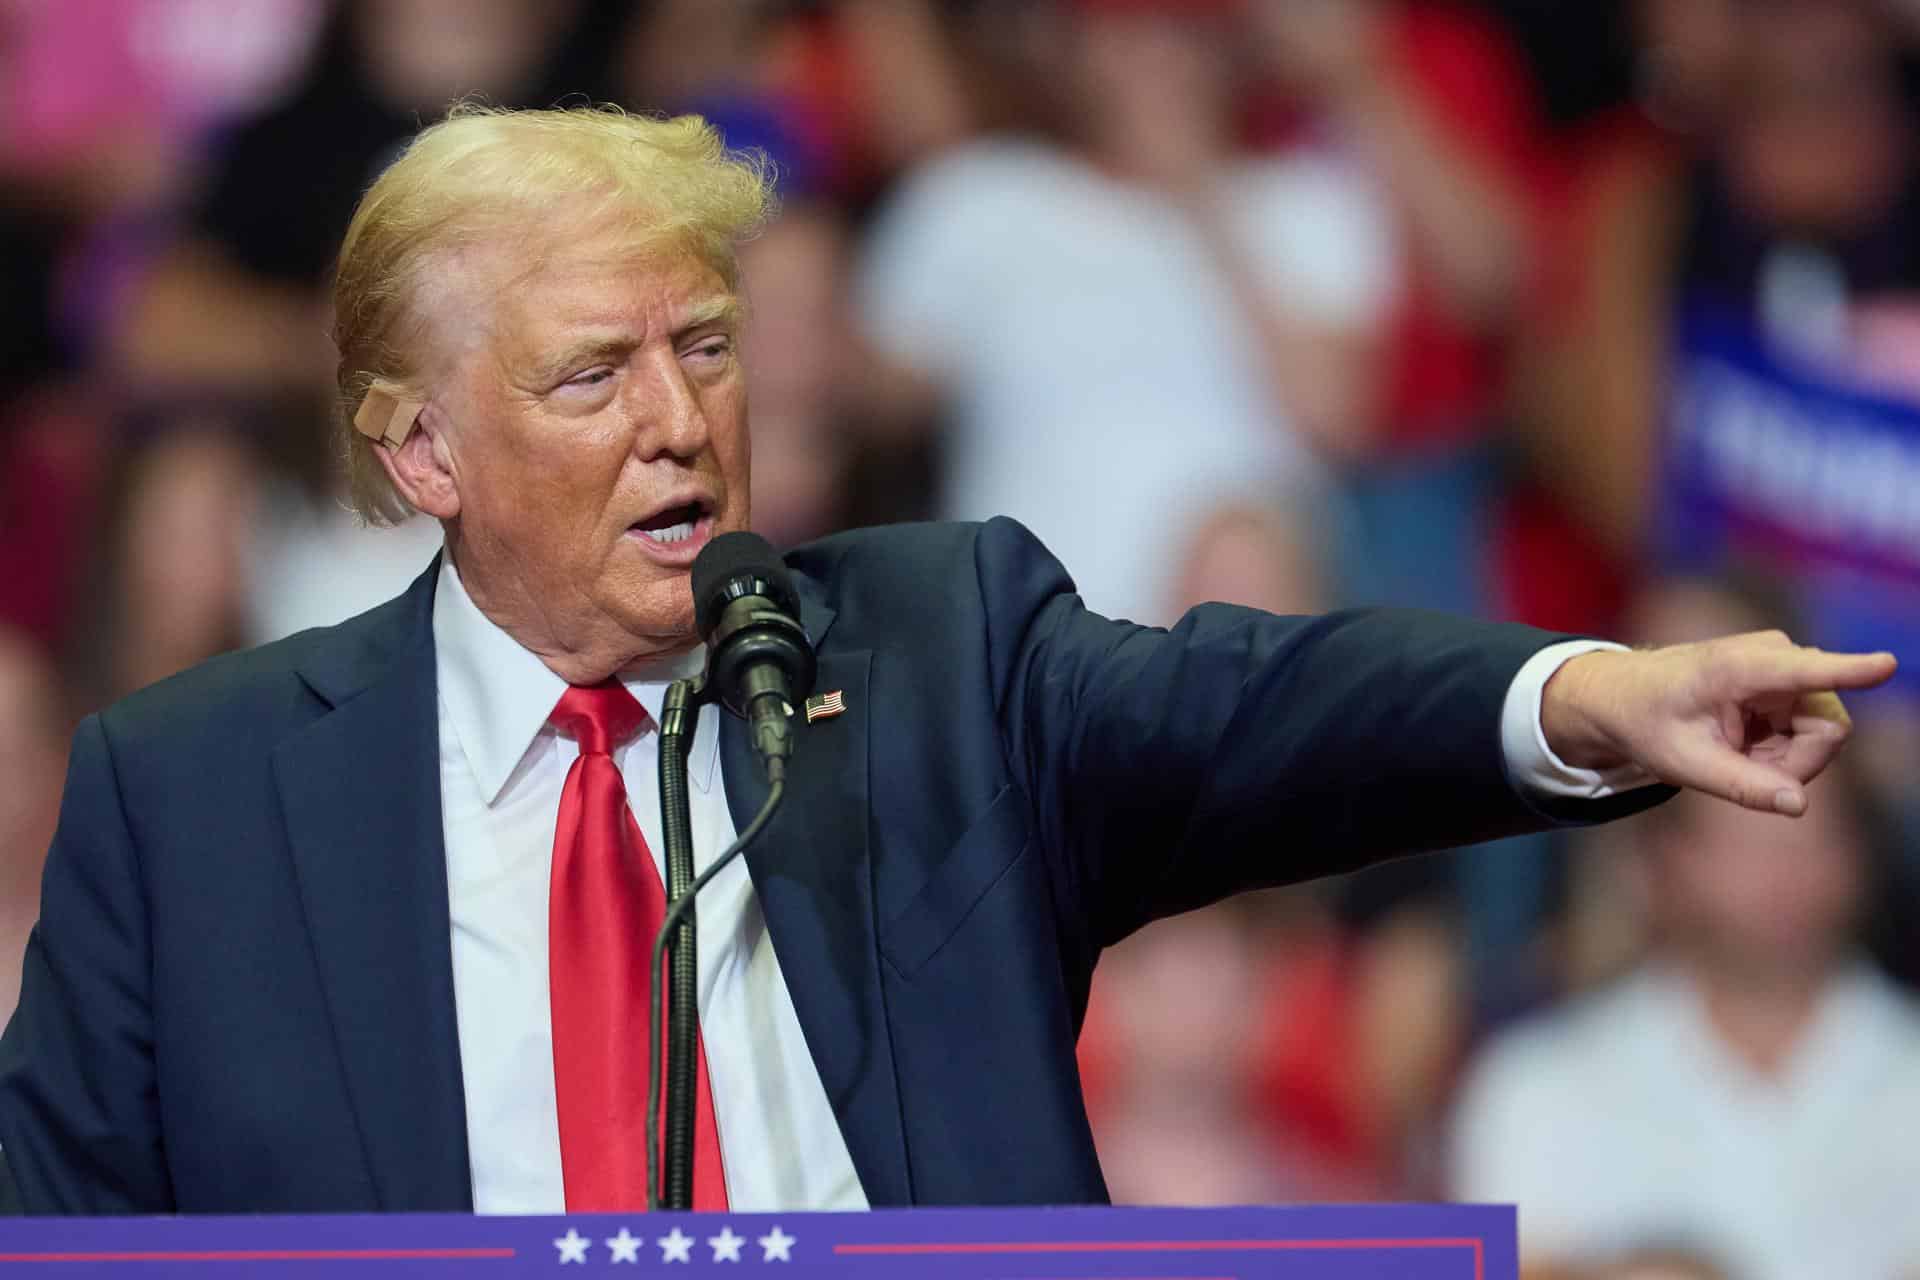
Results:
1171 1246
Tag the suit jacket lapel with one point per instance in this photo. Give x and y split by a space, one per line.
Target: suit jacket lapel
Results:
361 791
810 870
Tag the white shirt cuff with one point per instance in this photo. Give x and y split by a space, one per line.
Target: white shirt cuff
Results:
1531 764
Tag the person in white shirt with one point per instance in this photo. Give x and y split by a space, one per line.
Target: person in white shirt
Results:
1128 325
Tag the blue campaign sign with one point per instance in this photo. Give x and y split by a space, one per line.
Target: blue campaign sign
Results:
1377 1242
1801 467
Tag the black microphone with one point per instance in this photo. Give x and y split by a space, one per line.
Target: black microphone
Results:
759 661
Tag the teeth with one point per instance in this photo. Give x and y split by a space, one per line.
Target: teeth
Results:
674 532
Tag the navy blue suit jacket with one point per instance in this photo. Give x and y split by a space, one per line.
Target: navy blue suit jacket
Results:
239 997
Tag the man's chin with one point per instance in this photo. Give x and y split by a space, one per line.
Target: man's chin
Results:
668 630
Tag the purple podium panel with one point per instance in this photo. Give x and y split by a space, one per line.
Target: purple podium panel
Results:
1372 1242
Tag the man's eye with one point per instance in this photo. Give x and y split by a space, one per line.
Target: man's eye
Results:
591 378
712 348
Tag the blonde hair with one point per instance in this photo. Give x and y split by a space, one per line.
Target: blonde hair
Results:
484 171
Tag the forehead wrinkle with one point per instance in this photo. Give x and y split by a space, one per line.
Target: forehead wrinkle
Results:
599 244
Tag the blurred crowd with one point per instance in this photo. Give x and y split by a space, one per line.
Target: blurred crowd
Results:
1601 316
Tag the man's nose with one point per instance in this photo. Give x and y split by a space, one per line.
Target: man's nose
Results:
672 420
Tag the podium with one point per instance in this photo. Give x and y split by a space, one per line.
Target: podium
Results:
1344 1242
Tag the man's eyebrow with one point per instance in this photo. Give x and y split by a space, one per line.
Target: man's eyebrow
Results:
578 354
719 309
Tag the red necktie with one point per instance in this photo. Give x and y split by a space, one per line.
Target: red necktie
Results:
604 908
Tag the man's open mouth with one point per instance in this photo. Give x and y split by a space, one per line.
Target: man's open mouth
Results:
675 524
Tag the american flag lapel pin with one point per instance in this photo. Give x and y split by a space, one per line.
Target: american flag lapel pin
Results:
824 706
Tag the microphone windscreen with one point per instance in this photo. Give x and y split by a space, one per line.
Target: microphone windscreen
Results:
729 567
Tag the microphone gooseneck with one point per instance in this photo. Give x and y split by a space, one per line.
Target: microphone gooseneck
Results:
676 1191
673 1189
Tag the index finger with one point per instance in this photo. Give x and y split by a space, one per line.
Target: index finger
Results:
1814 671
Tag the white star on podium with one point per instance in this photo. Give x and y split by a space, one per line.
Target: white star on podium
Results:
676 1246
777 1246
625 1246
573 1246
726 1245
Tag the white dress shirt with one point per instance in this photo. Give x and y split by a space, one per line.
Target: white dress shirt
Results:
502 768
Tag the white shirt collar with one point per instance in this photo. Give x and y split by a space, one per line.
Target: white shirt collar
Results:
1856 1028
498 694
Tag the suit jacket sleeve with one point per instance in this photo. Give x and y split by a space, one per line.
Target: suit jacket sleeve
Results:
78 1120
1169 768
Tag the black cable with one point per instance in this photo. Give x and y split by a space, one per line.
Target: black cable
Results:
676 914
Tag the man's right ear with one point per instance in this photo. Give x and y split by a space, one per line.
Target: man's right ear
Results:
412 447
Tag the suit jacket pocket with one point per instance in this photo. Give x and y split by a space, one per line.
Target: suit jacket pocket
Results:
977 861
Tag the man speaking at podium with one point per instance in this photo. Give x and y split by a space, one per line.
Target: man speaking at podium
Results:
358 921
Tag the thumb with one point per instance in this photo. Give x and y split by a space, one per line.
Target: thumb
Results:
1725 773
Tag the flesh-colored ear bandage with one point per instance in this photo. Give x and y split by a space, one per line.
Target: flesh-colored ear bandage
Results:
386 417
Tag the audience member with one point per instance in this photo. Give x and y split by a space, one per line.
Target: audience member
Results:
1174 1107
309 563
176 556
1763 178
1433 104
1130 326
1253 554
238 302
49 432
898 78
801 372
